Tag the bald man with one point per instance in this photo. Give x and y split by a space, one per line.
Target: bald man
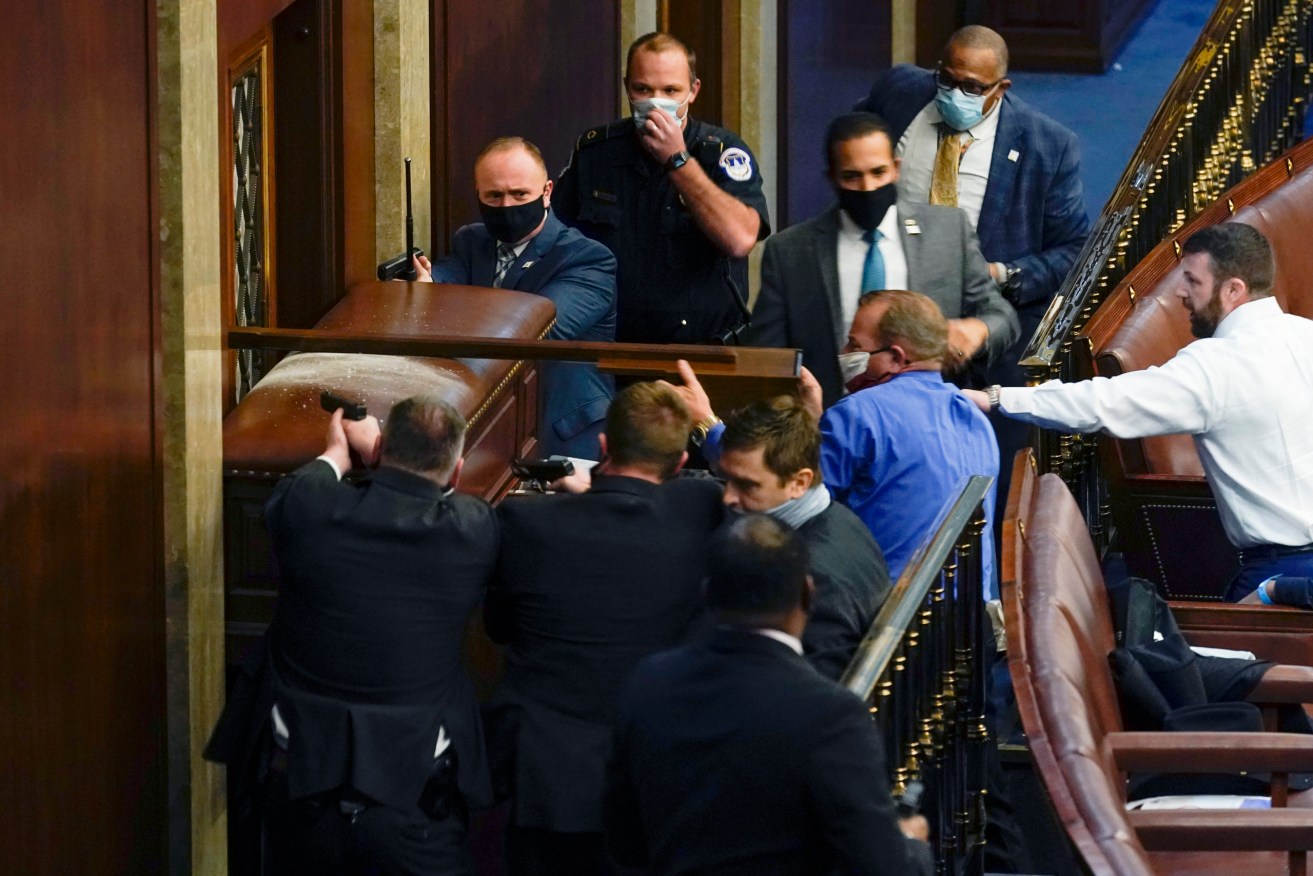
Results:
521 245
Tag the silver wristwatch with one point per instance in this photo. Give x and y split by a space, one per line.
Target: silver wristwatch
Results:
991 392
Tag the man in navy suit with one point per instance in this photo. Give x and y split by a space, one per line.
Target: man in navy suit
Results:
1017 171
521 245
732 755
1017 176
586 586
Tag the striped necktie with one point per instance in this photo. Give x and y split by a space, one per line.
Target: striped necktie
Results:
505 255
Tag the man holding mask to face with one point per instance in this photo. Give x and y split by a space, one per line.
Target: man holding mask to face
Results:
677 200
813 274
520 245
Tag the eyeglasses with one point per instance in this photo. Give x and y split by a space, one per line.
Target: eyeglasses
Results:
966 86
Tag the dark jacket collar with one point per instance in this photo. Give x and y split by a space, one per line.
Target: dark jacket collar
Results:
410 483
740 640
608 483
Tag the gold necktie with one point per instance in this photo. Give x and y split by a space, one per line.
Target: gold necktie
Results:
943 184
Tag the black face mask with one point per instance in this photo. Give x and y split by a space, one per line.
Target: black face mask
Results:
512 224
867 209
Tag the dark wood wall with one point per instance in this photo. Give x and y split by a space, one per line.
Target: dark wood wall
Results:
82 659
539 69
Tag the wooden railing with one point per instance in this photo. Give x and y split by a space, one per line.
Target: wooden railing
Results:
1238 102
921 669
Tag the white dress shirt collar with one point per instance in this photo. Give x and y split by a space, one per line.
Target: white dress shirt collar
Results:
781 637
1246 314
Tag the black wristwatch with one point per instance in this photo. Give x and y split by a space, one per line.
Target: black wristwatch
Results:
678 160
1012 282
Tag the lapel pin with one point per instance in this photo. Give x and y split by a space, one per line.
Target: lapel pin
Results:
1013 155
911 226
526 265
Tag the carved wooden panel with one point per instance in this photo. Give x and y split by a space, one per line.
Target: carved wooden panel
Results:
543 70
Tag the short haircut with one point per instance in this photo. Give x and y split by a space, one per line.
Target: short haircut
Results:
783 428
912 321
424 434
658 42
1236 250
756 569
647 427
501 144
977 36
852 126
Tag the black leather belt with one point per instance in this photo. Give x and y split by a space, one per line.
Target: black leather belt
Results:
1273 551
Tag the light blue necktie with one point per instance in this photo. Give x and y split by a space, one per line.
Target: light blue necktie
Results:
873 270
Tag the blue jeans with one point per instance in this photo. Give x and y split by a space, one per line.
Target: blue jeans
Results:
1258 569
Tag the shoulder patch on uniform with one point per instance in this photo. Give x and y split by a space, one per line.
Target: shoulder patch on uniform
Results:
600 134
737 164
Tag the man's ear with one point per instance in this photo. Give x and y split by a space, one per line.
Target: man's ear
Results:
808 591
800 482
547 194
601 444
899 358
693 90
683 458
455 473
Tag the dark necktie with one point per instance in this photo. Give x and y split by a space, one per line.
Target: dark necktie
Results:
505 255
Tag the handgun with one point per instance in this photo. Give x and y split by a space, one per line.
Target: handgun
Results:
543 470
350 410
401 267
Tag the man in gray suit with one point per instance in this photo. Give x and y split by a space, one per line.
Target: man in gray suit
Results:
813 273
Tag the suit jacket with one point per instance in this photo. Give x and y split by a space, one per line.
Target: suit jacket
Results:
578 276
586 585
732 756
379 579
799 302
852 582
1033 215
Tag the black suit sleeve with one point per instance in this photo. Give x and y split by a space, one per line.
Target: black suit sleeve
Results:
850 788
770 315
626 841
833 630
498 604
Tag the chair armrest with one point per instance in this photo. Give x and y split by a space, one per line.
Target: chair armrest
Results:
1224 830
1190 614
1284 684
1211 752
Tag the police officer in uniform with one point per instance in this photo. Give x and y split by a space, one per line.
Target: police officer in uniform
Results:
678 201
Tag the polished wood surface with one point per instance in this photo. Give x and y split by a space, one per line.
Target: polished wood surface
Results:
279 425
539 69
1077 36
82 635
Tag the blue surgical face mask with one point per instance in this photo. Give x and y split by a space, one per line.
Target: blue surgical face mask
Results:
640 108
961 111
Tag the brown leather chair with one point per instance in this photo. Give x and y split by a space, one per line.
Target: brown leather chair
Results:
1059 638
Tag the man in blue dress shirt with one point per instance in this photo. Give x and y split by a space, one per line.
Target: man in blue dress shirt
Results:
900 444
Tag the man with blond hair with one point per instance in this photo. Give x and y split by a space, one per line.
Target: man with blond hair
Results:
586 586
521 245
677 200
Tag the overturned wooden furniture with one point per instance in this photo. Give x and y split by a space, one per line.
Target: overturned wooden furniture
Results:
387 341
1059 637
1161 505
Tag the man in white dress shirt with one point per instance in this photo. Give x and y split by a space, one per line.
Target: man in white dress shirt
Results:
1242 390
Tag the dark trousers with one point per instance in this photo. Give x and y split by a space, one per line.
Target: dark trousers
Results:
1257 569
533 851
320 835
